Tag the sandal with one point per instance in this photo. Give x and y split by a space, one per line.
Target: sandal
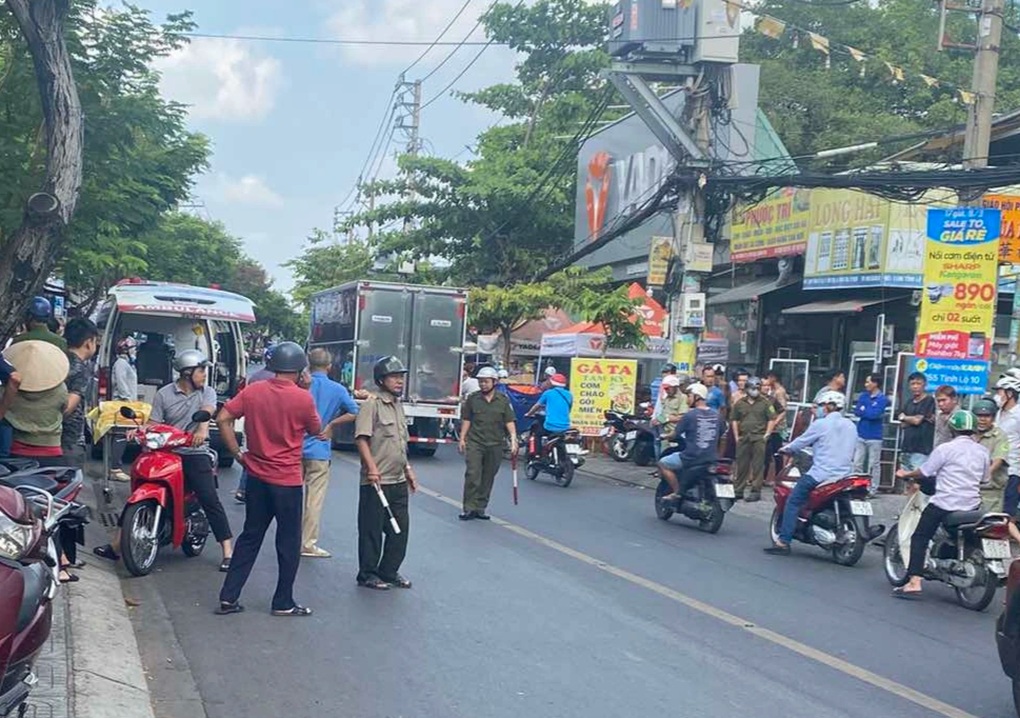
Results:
374 583
398 582
295 611
74 564
71 578
224 565
106 552
226 608
906 595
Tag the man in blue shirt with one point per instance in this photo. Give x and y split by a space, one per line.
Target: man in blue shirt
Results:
557 402
716 399
335 406
833 439
870 410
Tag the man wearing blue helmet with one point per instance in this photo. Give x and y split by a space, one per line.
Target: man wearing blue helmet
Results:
37 318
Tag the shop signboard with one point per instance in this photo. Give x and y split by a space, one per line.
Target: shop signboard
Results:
713 350
1009 239
685 353
967 377
958 299
599 385
658 260
775 227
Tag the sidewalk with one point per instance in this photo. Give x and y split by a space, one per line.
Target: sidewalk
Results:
887 506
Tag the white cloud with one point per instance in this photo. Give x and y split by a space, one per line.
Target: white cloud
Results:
249 190
403 21
222 79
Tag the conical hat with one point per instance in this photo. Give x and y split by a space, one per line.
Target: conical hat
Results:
41 365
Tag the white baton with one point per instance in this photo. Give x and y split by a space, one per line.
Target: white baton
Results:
386 505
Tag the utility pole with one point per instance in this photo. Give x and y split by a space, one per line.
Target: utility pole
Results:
986 71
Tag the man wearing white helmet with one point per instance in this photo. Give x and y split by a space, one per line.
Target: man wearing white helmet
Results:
834 439
1007 391
488 419
700 429
671 407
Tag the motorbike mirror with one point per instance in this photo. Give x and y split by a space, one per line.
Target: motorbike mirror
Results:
200 417
127 412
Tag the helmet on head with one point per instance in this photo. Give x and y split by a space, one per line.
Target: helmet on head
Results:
549 372
287 358
671 380
1009 383
126 344
832 397
189 360
699 390
962 422
558 380
504 374
39 308
668 368
753 383
487 372
387 366
985 407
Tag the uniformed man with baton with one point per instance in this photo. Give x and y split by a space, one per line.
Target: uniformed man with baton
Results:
486 421
386 480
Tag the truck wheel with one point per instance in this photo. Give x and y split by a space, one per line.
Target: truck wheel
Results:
426 451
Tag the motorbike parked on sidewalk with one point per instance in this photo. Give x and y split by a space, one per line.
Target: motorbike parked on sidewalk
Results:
695 503
159 512
30 520
620 433
559 454
970 552
836 516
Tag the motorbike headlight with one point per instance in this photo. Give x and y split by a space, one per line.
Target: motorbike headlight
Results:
15 538
156 440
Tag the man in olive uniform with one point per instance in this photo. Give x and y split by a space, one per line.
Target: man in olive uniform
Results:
487 419
750 418
381 435
995 440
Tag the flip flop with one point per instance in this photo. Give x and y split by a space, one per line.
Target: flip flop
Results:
906 595
225 565
296 611
71 578
106 552
226 609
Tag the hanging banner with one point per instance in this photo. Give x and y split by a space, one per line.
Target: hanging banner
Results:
847 240
775 227
658 260
1009 238
958 299
685 353
599 385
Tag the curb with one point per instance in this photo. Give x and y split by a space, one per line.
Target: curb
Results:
108 680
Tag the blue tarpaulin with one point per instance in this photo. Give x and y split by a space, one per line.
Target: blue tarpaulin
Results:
522 398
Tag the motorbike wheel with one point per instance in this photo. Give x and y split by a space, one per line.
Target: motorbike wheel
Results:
533 470
714 522
139 541
895 566
663 512
979 596
849 553
644 453
618 448
775 523
194 541
566 471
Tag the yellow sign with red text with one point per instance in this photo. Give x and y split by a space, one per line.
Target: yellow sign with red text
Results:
599 385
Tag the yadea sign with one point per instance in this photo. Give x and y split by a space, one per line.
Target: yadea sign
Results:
605 368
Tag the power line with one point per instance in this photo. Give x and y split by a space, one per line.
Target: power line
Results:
439 38
332 41
449 55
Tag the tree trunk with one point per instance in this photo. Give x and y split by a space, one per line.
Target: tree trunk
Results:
32 250
506 331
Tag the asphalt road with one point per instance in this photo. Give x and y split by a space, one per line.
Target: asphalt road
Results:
579 603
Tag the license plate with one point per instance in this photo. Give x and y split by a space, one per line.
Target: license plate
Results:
862 508
605 431
630 435
725 491
573 449
995 548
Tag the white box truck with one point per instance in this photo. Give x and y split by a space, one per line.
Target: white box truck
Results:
361 322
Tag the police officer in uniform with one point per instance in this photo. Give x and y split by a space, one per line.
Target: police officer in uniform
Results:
381 435
487 419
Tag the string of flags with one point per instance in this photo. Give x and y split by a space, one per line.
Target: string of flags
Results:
777 29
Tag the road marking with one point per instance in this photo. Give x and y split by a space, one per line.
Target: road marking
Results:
850 669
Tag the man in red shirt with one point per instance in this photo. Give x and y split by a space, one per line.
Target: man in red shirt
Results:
279 413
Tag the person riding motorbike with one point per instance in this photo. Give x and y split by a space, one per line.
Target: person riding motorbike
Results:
1007 394
958 469
834 440
175 404
557 402
700 429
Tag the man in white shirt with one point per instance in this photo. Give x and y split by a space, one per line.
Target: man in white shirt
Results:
468 383
1007 391
958 467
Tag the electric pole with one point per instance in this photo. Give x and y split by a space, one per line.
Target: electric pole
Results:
986 71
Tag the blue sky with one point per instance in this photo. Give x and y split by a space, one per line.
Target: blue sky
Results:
291 123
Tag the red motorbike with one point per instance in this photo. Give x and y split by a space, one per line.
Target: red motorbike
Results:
159 511
30 521
835 517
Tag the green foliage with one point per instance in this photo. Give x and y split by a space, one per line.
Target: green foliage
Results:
615 311
325 263
813 108
139 159
486 219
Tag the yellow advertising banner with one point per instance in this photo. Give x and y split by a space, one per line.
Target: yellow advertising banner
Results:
685 353
1009 241
847 239
659 254
775 227
599 385
960 281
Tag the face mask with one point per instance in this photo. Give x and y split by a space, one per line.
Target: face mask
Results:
999 400
753 393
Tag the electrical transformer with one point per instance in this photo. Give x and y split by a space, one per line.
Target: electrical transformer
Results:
652 28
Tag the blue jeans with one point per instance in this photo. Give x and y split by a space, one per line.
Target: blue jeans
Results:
798 497
1011 496
242 483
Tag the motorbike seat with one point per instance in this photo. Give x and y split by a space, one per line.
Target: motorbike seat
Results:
34 577
960 518
36 479
14 464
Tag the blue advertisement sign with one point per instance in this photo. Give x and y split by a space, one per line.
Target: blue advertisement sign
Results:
967 376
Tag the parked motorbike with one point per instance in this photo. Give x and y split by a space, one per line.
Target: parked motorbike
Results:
836 516
619 434
30 520
159 511
696 503
969 552
557 456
